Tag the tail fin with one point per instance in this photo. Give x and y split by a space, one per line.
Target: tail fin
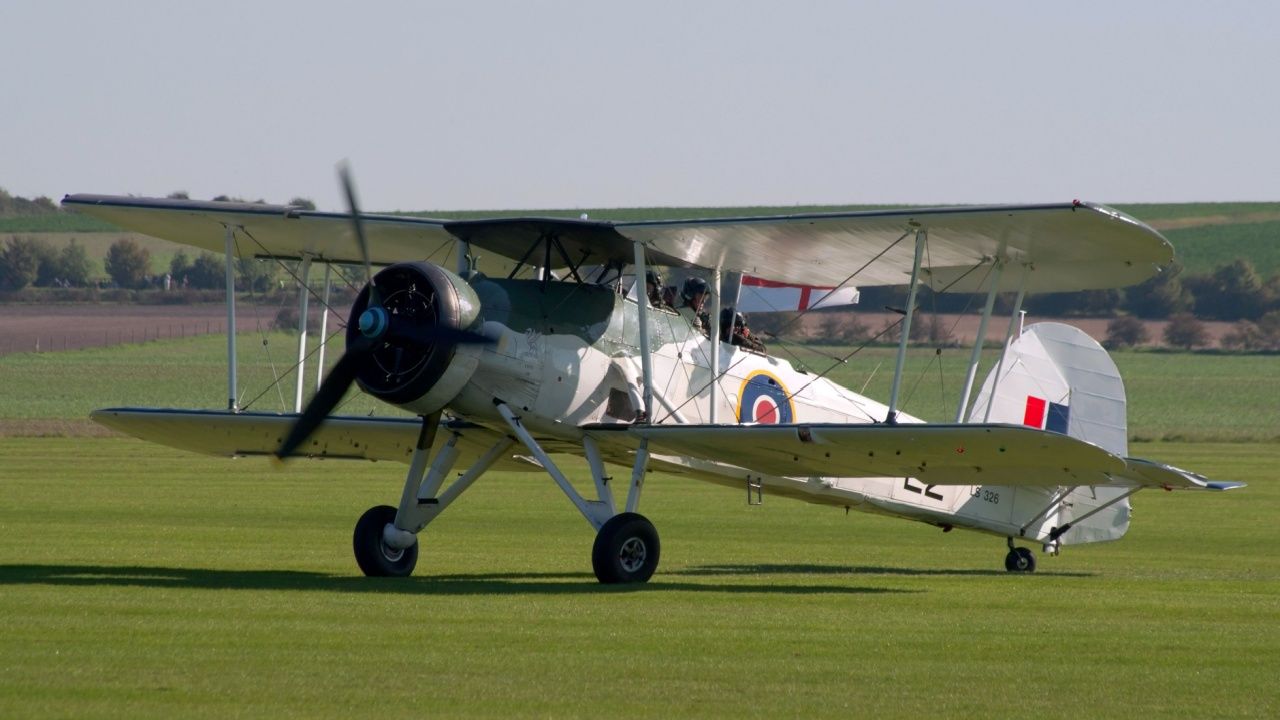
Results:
1057 378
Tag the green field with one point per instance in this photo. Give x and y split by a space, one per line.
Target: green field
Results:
1201 249
136 581
140 582
1172 396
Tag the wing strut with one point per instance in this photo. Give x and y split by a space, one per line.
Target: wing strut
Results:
715 342
642 304
892 418
304 297
324 324
978 342
1008 335
233 403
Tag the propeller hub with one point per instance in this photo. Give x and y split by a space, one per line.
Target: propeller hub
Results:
373 322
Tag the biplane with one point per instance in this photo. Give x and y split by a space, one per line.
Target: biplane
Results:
565 358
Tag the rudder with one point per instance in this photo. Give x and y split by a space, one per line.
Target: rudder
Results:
1056 378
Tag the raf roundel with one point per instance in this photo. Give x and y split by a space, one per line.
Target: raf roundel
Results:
764 399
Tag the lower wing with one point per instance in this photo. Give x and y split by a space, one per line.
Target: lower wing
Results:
936 454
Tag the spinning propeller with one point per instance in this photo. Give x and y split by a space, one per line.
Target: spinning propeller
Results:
375 329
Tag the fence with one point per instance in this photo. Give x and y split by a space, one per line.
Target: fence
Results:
55 341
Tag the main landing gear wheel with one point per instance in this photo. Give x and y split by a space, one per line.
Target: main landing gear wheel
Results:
626 550
1020 560
375 557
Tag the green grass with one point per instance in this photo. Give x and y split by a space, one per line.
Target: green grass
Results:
1155 212
1182 396
189 372
140 582
55 223
137 581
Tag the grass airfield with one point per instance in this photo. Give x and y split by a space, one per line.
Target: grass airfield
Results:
136 581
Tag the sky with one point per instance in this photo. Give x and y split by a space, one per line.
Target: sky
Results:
539 105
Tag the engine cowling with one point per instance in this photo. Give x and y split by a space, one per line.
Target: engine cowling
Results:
419 377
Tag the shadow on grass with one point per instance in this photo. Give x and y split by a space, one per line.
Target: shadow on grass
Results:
808 569
460 584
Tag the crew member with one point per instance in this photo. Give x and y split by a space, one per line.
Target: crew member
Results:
694 295
653 288
734 330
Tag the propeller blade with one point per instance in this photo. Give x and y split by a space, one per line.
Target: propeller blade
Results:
427 335
349 189
326 399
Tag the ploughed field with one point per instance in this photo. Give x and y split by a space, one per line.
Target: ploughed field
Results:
54 328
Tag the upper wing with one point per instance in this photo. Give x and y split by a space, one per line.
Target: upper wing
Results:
268 230
1075 246
935 454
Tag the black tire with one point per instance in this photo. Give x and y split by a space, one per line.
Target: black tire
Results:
626 550
373 556
1020 560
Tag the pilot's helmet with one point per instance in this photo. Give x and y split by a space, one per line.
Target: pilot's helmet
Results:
733 320
692 287
726 317
652 277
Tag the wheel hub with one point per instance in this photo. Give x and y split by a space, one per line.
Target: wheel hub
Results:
632 554
390 553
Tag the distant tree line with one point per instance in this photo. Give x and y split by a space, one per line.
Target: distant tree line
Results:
17 206
1233 291
14 206
26 260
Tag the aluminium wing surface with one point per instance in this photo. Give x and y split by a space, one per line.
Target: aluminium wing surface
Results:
938 454
228 434
1072 246
268 230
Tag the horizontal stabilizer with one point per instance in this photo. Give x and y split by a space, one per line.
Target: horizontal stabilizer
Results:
1168 477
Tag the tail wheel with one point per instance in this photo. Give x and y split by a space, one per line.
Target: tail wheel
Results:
626 550
373 555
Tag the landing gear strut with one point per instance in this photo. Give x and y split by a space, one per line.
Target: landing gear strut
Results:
1019 559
